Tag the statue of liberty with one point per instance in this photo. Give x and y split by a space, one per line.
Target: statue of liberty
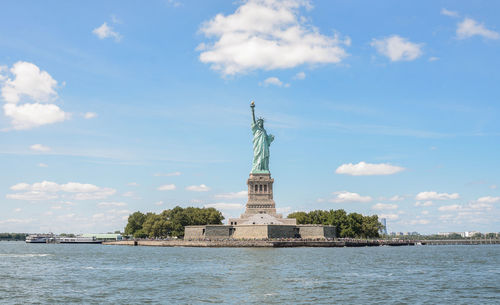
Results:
261 143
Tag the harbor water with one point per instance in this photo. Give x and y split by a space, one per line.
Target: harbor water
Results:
99 274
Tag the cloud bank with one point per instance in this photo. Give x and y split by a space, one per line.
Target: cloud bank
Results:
268 35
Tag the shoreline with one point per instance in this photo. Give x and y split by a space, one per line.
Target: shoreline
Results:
258 243
293 243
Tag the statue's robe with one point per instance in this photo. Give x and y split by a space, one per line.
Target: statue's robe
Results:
261 143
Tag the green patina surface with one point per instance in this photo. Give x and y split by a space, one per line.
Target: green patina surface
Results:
261 143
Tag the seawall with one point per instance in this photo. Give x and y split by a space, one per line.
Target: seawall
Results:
260 243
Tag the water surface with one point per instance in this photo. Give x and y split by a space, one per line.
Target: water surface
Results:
97 274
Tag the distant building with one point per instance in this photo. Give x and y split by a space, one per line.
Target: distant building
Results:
383 231
466 234
470 233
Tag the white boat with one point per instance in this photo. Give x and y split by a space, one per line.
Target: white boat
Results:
39 238
77 240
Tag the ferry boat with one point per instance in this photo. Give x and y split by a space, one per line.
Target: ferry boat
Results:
39 238
77 240
52 239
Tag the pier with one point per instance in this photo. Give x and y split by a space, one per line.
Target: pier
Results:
484 241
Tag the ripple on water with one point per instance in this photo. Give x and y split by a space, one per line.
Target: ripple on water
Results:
95 274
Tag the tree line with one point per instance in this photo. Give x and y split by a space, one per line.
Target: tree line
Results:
347 225
171 222
13 236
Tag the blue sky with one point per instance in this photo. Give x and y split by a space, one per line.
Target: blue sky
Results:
378 108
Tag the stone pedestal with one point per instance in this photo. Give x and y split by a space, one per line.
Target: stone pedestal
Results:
260 196
260 207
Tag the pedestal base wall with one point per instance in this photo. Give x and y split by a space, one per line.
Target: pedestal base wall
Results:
266 231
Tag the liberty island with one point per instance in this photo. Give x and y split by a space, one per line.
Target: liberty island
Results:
260 220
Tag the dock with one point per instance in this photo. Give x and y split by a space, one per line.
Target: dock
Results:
484 241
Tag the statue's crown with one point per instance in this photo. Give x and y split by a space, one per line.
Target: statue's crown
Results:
260 119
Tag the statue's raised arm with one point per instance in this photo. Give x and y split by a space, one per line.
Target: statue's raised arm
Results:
252 106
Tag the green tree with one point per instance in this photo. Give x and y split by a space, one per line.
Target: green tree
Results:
135 222
491 235
302 217
170 222
347 225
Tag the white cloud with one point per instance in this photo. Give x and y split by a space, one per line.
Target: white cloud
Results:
489 199
159 203
29 81
17 210
469 27
425 212
42 165
198 188
28 116
384 206
105 31
273 81
368 169
32 196
397 48
389 216
448 208
423 204
114 211
224 206
167 187
267 34
39 147
234 195
101 194
20 187
449 13
167 174
480 206
46 190
132 184
75 187
300 75
436 196
345 196
433 58
89 115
